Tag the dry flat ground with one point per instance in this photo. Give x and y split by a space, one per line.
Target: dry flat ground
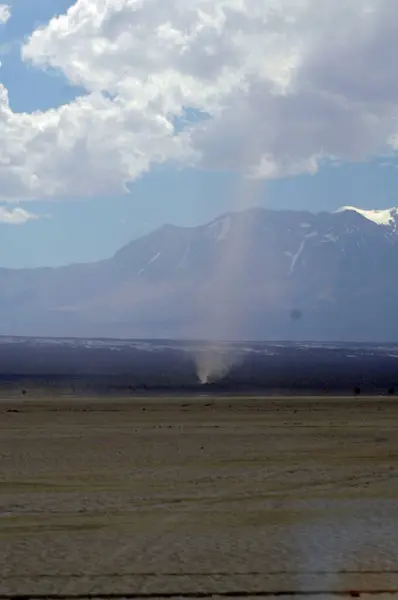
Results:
198 496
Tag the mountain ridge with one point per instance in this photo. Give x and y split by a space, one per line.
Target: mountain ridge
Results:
239 276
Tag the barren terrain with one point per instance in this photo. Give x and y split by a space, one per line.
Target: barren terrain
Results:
198 495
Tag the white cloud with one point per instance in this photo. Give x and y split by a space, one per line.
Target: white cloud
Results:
286 84
5 13
15 216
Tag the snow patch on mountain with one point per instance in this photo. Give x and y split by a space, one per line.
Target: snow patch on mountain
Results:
149 263
221 227
384 217
185 257
331 237
300 251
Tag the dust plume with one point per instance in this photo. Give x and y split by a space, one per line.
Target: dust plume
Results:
223 300
213 364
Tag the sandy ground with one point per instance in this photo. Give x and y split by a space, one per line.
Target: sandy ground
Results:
198 495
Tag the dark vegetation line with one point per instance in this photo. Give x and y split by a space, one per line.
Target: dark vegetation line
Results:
205 574
231 594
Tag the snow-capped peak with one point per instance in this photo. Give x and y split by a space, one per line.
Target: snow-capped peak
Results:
384 217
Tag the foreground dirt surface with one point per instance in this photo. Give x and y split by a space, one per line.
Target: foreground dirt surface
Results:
170 497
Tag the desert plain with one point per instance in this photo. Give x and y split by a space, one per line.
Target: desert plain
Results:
198 496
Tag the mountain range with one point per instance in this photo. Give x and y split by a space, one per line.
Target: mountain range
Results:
257 274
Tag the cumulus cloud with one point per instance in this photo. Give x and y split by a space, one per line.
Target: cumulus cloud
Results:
15 216
285 85
5 13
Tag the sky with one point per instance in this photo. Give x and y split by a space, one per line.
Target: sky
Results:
117 116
